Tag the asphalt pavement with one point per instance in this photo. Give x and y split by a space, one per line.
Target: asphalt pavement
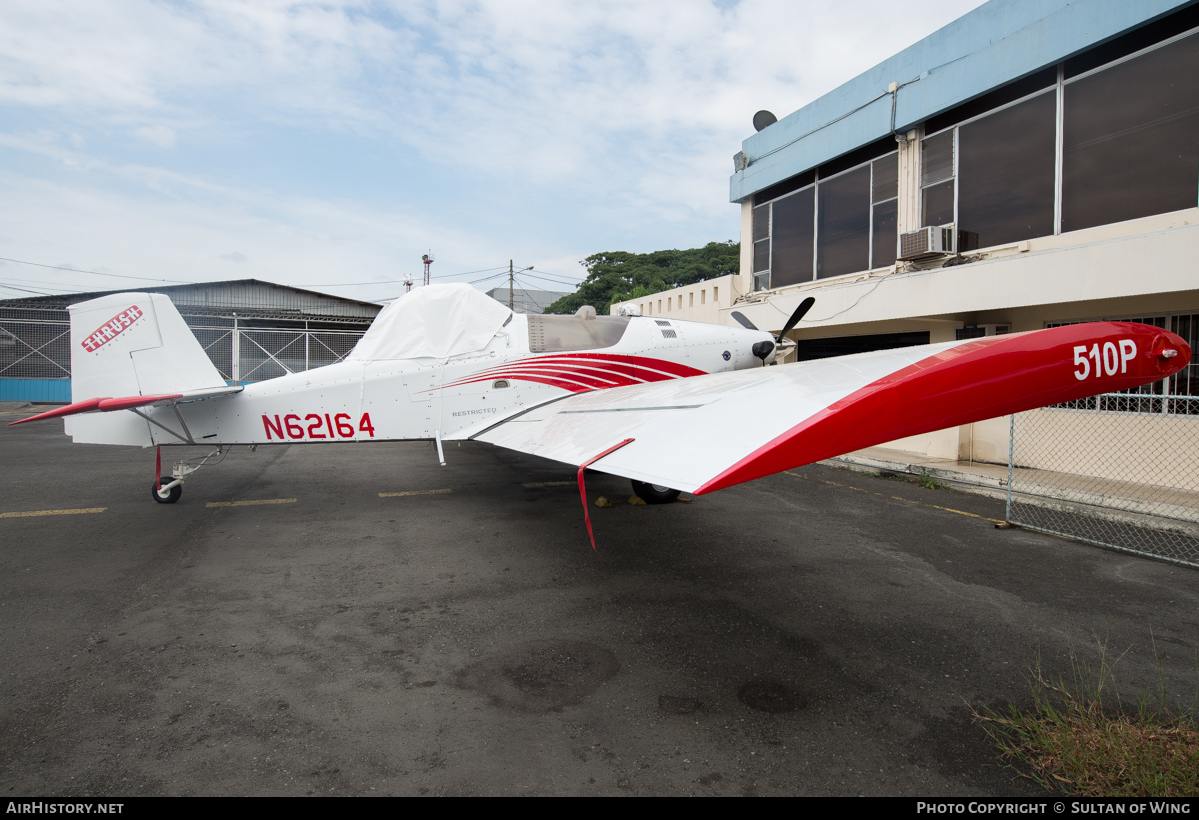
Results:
356 619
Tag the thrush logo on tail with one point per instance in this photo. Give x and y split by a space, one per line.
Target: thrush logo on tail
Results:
111 329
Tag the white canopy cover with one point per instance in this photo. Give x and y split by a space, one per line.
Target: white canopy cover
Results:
436 321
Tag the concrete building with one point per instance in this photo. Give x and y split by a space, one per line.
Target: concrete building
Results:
251 331
525 300
1033 163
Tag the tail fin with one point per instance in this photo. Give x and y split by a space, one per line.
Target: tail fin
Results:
135 344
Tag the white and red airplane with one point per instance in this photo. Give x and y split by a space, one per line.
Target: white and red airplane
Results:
674 406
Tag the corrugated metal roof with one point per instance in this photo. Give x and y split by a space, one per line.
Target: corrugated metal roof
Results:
242 295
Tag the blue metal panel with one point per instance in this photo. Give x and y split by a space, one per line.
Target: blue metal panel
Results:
998 42
35 390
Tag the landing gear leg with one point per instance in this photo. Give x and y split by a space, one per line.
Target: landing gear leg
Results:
167 488
654 493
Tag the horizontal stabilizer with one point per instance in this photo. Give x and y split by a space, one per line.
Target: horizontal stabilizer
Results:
108 404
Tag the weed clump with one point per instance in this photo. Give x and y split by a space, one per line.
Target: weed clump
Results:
1081 738
928 481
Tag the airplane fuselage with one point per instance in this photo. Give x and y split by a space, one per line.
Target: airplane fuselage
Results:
425 398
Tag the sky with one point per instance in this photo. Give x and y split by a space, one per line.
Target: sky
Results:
329 145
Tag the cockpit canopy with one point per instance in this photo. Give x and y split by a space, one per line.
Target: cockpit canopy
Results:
555 334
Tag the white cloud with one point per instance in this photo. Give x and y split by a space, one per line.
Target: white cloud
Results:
633 106
158 135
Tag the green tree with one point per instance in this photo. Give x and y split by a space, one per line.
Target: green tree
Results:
615 276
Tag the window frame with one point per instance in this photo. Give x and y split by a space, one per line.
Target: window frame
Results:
1059 88
815 187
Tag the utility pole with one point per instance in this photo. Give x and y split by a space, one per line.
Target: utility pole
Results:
510 275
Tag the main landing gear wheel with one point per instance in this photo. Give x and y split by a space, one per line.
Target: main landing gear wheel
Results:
172 494
654 493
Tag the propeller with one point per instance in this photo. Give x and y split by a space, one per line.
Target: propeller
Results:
763 349
743 321
799 313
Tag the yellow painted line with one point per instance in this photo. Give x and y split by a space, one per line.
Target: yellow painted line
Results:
250 503
414 492
34 513
908 500
549 484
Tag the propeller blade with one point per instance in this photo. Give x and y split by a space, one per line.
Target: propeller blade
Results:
803 308
743 321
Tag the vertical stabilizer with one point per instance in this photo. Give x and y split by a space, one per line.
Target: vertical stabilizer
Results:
135 344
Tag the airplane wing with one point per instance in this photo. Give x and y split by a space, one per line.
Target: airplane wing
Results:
705 433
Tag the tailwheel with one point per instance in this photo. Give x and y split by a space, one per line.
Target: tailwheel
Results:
654 493
171 495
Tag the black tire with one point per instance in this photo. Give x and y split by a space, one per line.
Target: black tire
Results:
172 494
653 493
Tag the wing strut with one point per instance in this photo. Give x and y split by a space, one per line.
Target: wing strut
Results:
583 489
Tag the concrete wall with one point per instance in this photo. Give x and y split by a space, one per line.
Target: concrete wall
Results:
701 302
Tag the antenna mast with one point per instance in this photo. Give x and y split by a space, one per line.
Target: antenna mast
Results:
428 260
510 275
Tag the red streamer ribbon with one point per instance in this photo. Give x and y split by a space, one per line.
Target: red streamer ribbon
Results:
583 489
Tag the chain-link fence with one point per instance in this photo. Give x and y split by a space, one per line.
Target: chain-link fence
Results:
36 344
1119 470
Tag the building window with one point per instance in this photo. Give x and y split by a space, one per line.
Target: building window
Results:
938 185
794 232
994 176
703 297
762 247
884 211
841 224
1131 137
691 299
715 294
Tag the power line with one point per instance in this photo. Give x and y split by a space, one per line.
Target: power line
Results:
485 278
396 281
551 279
565 276
96 272
26 290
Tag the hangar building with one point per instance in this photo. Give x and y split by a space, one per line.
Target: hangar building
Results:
251 330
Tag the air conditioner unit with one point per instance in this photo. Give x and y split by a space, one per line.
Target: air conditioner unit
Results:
979 331
935 240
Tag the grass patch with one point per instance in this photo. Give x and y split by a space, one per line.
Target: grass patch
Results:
928 481
1081 738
